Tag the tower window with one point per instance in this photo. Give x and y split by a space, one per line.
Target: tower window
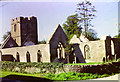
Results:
15 28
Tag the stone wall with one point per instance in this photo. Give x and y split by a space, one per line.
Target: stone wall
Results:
110 68
33 50
96 50
108 48
16 30
116 47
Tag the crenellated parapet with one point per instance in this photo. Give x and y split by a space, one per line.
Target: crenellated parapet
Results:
23 20
24 30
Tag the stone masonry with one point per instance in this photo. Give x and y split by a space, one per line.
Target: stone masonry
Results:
22 45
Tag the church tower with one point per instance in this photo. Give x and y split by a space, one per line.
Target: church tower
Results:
24 31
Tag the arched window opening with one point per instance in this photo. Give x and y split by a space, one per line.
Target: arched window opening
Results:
17 57
39 56
112 48
15 28
28 56
60 51
87 52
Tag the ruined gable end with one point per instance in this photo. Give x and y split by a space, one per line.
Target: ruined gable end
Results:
75 40
58 36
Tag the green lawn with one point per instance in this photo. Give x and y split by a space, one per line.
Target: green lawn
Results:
6 73
61 76
73 76
23 77
90 63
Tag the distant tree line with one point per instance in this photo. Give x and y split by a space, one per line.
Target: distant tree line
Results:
42 42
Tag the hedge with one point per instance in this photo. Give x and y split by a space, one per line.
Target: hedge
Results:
22 66
39 67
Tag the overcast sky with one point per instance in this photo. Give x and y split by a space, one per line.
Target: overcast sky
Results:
50 14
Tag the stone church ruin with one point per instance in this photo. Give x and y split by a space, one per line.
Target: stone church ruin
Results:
22 45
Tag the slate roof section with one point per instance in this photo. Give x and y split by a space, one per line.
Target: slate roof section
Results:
9 43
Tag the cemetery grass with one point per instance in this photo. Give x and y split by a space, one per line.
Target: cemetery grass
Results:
61 76
90 63
57 77
6 73
93 63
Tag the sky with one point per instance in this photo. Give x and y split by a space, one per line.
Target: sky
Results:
119 17
51 13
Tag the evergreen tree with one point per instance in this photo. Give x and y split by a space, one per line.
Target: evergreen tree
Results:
92 35
42 42
86 12
5 35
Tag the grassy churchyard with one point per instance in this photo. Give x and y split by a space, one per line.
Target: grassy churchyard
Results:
8 72
59 77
